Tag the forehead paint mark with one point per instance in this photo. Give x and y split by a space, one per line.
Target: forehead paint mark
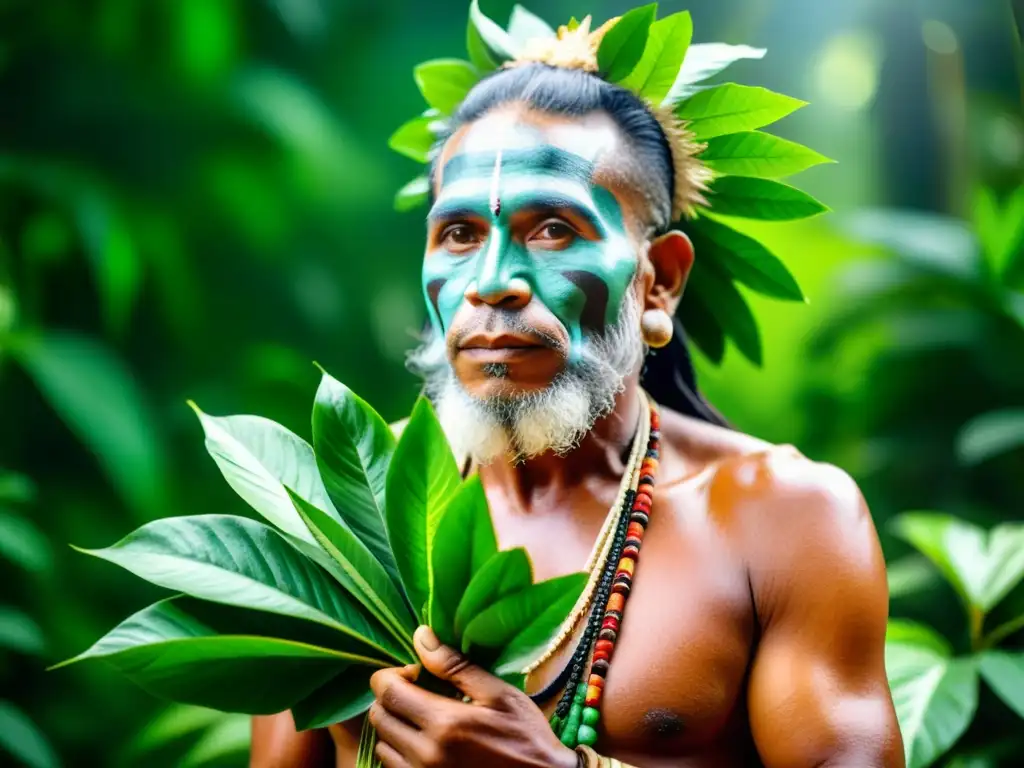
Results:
545 159
595 292
495 181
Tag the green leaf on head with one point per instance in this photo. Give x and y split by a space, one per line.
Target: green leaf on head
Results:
730 308
414 138
731 108
751 198
524 25
413 195
444 83
623 44
487 43
667 41
705 60
701 326
752 153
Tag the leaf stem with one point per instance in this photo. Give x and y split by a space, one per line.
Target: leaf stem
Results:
1003 631
976 619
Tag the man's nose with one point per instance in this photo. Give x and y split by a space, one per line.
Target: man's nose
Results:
497 281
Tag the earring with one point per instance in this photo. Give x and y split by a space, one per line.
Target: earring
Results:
656 327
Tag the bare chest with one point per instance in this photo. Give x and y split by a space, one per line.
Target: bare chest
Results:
675 685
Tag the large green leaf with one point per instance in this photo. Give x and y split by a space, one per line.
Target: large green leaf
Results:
444 83
731 108
341 698
752 198
99 399
421 480
498 625
413 195
259 458
658 68
362 575
982 567
524 25
935 695
507 572
623 45
990 434
535 637
464 542
752 153
1005 673
744 258
354 446
705 60
242 562
487 43
22 739
730 308
172 654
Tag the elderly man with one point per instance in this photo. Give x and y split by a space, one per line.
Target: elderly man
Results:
751 631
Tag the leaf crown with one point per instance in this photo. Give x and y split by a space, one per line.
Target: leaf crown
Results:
724 166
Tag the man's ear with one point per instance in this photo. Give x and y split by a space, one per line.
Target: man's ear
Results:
671 257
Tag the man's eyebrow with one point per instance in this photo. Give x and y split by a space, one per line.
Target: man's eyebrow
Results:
450 211
540 201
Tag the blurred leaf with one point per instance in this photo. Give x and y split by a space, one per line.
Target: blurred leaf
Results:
731 310
935 695
623 45
206 35
111 250
23 543
16 488
172 655
524 25
752 153
8 313
909 575
990 434
982 567
444 83
22 739
354 447
413 195
731 108
343 697
487 43
240 562
745 259
20 632
414 139
702 326
420 481
511 616
705 60
667 41
46 237
229 737
359 573
506 572
1000 230
173 723
1004 672
98 398
259 458
464 542
751 198
937 243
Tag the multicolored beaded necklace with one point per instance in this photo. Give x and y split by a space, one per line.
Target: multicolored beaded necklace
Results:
579 710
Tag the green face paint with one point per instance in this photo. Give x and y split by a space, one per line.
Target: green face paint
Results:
583 285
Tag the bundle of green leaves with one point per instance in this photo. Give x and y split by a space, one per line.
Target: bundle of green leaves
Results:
368 538
654 59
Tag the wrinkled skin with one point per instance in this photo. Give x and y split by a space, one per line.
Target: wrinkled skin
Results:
754 633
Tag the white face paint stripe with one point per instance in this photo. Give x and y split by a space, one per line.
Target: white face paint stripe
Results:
495 179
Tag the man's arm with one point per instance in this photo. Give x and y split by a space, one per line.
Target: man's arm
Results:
818 693
276 744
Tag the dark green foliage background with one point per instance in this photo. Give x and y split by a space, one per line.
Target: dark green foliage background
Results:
196 202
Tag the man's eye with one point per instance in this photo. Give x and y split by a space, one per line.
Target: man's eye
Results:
554 233
459 237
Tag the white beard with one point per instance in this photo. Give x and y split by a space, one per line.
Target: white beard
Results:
553 420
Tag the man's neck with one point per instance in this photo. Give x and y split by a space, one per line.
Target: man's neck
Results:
601 455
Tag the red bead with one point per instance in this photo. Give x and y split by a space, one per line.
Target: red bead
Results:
635 530
599 655
631 550
603 645
596 680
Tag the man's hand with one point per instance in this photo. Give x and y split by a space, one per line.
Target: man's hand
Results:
501 728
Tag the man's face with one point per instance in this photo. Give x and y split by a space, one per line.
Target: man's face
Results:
529 256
